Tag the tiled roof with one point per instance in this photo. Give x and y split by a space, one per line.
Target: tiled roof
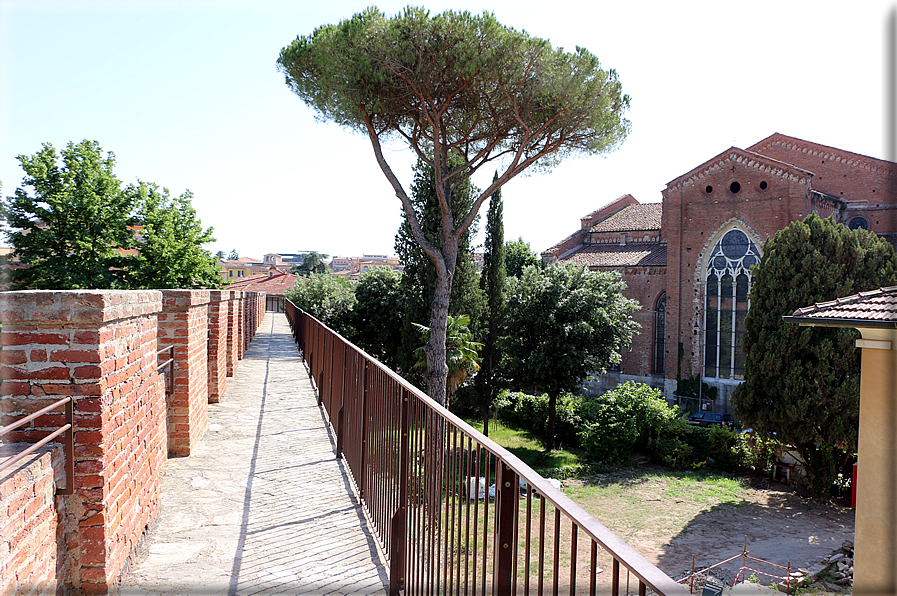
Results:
876 308
631 218
635 254
274 286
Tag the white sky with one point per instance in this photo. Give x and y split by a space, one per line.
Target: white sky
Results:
187 95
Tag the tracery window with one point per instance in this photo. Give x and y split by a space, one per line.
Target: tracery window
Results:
726 303
660 315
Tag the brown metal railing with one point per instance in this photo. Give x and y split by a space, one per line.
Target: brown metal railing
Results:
423 476
68 443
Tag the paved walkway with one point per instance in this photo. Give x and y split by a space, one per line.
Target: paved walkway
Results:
263 506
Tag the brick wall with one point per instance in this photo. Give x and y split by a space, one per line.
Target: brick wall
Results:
219 305
30 562
99 347
233 336
183 323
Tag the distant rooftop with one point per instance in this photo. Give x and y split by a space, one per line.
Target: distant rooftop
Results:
632 218
877 308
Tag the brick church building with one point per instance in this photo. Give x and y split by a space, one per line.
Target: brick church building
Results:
687 259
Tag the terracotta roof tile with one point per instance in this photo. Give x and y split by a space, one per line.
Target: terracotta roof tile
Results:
877 305
631 218
274 286
635 254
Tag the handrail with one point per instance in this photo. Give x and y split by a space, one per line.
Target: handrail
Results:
167 364
68 444
418 468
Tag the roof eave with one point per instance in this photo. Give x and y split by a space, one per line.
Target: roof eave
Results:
840 322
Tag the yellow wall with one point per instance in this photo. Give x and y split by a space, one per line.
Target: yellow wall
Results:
875 561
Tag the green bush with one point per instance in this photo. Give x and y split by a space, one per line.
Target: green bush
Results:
523 411
615 424
670 445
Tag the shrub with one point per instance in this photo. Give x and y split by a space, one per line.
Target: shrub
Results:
616 423
523 411
670 445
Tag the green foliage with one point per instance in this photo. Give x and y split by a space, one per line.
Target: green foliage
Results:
170 243
461 352
496 88
519 256
492 283
70 220
377 315
326 297
455 85
564 323
312 262
234 255
616 423
76 227
419 277
803 382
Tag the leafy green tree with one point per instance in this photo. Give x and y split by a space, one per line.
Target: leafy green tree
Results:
562 324
70 223
519 256
419 277
326 297
803 382
312 262
377 315
171 239
455 83
220 255
461 352
234 255
492 282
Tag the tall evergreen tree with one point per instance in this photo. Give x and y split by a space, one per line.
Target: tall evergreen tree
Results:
802 383
419 278
492 282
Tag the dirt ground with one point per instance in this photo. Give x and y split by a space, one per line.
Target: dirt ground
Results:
669 525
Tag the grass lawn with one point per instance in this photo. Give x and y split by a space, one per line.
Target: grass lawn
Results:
528 448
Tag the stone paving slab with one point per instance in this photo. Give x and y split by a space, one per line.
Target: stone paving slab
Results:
263 506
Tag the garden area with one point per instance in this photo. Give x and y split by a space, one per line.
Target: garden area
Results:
670 490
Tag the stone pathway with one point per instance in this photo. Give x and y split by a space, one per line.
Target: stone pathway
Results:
263 506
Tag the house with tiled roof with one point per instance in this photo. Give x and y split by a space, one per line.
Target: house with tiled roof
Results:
687 259
274 284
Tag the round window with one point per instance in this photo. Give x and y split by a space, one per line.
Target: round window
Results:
735 244
858 223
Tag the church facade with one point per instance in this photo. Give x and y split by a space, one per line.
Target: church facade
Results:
687 259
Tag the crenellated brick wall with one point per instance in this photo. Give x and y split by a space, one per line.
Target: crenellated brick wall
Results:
183 323
99 347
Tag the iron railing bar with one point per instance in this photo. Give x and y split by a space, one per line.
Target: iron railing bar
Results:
33 416
34 446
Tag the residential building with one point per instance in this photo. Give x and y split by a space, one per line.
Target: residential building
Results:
273 283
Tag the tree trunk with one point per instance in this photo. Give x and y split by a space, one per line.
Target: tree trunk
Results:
437 369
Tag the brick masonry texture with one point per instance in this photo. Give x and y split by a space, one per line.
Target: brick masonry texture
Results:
29 559
219 305
183 324
759 190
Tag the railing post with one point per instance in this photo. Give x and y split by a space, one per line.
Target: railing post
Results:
505 510
398 532
362 475
69 449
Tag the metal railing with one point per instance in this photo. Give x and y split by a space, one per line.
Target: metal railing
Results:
68 444
424 477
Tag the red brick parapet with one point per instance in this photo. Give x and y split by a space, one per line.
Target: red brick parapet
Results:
219 305
99 346
29 558
233 331
183 323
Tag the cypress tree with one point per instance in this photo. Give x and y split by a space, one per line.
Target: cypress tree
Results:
492 282
802 383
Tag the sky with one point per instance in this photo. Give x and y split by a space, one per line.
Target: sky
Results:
187 94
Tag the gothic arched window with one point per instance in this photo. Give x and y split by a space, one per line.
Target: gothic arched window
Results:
660 317
726 303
